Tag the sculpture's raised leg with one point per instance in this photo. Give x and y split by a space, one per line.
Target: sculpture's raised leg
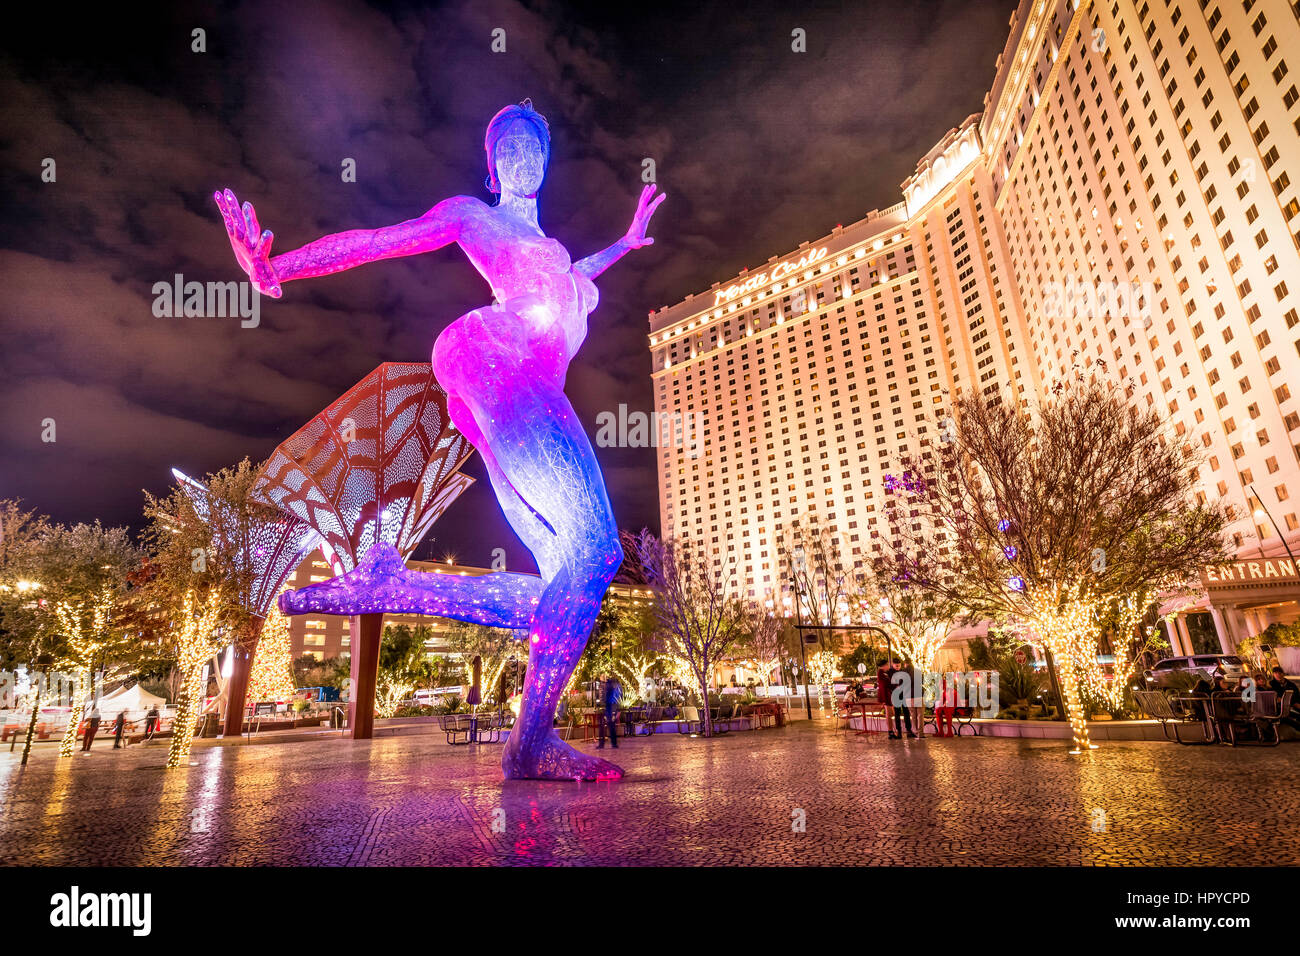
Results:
382 582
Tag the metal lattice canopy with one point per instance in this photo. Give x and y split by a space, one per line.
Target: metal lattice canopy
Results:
378 465
272 549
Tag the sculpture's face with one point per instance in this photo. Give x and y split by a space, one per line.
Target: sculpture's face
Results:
520 161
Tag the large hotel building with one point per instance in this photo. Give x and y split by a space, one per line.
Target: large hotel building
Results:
1123 207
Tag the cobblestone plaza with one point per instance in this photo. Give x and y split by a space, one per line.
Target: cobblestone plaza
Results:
738 799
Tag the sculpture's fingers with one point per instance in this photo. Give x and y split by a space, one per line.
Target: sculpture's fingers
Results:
264 244
232 204
252 229
225 212
236 219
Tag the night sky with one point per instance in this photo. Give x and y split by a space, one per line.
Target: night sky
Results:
758 147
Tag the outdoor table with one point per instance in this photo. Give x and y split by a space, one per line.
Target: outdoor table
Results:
1236 710
766 714
862 706
631 717
591 724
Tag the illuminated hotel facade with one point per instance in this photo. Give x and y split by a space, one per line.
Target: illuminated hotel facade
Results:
1123 207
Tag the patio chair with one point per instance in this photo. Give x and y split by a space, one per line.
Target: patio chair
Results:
688 720
843 718
721 717
571 720
1230 717
1157 706
747 715
456 727
1269 712
644 722
490 727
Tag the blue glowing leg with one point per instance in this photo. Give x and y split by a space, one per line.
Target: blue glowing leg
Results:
550 487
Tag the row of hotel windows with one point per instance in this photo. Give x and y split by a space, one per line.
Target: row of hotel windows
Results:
1272 364
1021 242
802 302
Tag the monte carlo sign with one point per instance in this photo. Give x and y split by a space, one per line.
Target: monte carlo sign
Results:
776 274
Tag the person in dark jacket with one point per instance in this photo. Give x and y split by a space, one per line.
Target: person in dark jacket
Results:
883 695
613 694
151 722
1280 684
900 697
119 727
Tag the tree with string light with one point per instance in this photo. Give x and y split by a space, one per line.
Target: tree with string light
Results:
271 677
197 634
828 589
698 620
1055 513
29 635
84 570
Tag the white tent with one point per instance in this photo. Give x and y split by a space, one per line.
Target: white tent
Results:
135 700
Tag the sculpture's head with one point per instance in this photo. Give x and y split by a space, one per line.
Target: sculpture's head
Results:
518 145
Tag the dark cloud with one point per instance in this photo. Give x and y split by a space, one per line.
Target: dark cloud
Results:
759 147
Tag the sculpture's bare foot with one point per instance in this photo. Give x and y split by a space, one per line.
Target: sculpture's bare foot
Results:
553 759
377 583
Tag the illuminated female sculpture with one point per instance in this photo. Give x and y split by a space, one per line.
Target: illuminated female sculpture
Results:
503 367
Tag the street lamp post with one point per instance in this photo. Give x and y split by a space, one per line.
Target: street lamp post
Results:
796 565
1282 537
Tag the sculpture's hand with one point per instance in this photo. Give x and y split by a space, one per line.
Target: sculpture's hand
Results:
645 208
252 247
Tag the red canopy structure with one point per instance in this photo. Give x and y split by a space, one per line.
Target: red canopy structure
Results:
380 464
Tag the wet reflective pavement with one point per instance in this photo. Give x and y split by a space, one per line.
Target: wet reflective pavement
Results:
738 799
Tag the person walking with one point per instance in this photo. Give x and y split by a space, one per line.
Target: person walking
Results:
151 722
119 727
613 694
92 727
901 699
916 702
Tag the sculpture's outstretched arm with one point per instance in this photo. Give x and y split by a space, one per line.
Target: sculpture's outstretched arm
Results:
344 250
598 262
334 253
635 237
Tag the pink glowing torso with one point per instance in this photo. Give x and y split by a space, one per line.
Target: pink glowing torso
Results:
531 276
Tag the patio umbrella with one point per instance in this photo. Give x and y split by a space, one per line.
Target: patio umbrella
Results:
475 693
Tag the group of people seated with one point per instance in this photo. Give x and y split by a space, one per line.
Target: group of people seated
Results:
1218 686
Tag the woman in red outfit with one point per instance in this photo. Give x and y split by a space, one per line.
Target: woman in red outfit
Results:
945 704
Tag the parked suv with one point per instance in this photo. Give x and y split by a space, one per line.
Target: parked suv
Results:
1199 665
